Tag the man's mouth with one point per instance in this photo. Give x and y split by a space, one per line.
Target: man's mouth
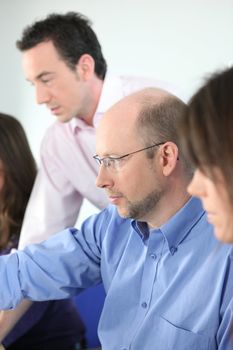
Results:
54 109
114 198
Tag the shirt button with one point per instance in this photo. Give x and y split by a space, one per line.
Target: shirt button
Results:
153 256
144 304
173 250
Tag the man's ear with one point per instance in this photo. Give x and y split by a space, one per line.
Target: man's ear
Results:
168 157
85 67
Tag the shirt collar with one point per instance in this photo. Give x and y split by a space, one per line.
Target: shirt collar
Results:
177 228
77 123
112 92
141 228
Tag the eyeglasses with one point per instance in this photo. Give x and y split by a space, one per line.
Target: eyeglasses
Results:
115 163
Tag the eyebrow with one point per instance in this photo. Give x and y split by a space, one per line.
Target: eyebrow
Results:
41 75
108 155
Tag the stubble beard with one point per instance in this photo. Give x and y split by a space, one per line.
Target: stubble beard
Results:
144 207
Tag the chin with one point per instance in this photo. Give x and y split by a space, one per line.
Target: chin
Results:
123 213
63 119
225 236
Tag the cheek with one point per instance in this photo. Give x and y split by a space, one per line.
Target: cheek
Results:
223 201
142 182
129 182
227 211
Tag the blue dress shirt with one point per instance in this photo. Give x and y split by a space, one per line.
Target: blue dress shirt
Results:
167 288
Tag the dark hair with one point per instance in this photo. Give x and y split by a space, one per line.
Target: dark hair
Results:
207 127
158 121
72 36
19 169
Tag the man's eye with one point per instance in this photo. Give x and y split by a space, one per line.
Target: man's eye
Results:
116 163
109 162
45 81
112 162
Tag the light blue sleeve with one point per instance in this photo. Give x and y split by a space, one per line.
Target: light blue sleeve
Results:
58 268
224 335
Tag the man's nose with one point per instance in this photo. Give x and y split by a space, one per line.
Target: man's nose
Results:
42 95
104 178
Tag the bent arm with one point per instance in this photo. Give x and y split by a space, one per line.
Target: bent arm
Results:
59 268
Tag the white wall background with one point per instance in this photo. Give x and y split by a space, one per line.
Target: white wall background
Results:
179 41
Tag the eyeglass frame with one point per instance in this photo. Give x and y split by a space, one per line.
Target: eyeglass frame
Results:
101 161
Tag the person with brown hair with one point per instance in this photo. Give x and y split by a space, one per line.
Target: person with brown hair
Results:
50 324
207 137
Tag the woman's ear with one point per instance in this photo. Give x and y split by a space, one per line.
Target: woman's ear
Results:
168 157
85 67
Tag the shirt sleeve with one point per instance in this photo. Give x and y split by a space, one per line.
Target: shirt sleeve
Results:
58 268
54 203
225 331
49 210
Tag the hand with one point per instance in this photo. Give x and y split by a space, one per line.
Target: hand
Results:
2 347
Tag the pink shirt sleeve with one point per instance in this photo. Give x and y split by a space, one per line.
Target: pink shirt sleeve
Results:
67 175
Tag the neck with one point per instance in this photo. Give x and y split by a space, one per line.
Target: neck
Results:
95 93
174 198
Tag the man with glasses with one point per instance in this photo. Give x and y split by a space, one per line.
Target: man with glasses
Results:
62 58
168 282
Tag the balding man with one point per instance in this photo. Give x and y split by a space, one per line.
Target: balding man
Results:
168 282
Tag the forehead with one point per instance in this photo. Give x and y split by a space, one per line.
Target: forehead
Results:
117 132
43 56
